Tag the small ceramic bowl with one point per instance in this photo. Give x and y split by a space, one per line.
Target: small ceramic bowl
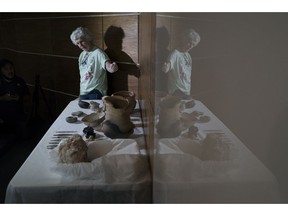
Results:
93 119
189 104
83 104
71 119
77 113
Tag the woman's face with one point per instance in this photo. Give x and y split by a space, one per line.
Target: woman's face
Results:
189 44
8 71
84 44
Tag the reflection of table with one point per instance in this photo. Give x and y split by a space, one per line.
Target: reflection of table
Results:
180 178
35 182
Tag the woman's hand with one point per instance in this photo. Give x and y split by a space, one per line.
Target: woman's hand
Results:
111 67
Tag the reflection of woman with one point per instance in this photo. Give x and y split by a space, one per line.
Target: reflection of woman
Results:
93 63
179 65
118 81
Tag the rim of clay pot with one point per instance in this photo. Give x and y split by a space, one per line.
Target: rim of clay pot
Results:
124 93
170 101
116 101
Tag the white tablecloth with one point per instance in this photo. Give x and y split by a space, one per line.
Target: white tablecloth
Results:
181 177
37 182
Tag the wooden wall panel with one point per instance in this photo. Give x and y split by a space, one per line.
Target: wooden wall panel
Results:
33 35
8 35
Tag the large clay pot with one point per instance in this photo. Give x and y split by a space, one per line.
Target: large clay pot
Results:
117 122
159 95
169 124
130 96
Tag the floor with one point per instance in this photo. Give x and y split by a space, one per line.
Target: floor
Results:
13 153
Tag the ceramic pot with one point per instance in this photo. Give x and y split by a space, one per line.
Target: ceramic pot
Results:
130 96
117 122
158 98
169 124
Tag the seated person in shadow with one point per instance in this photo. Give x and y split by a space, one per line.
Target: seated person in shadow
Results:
118 81
14 94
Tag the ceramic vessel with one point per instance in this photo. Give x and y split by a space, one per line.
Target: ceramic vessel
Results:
71 119
93 119
130 96
169 124
117 122
83 104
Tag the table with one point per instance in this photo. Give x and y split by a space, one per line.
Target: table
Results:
180 177
37 182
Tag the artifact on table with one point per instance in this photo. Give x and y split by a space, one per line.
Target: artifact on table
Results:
93 119
117 122
130 96
89 133
83 104
73 150
71 119
95 106
77 113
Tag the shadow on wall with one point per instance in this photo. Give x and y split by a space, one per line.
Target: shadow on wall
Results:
118 81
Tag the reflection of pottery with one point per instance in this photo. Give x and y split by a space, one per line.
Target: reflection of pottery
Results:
117 122
130 96
169 124
158 98
216 147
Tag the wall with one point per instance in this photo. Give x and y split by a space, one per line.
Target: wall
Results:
39 44
240 73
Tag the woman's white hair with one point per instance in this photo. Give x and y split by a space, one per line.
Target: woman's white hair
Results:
191 34
80 32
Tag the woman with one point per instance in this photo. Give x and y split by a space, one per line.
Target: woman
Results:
93 63
179 65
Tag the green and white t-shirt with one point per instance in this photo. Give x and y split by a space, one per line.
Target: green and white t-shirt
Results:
92 71
179 77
